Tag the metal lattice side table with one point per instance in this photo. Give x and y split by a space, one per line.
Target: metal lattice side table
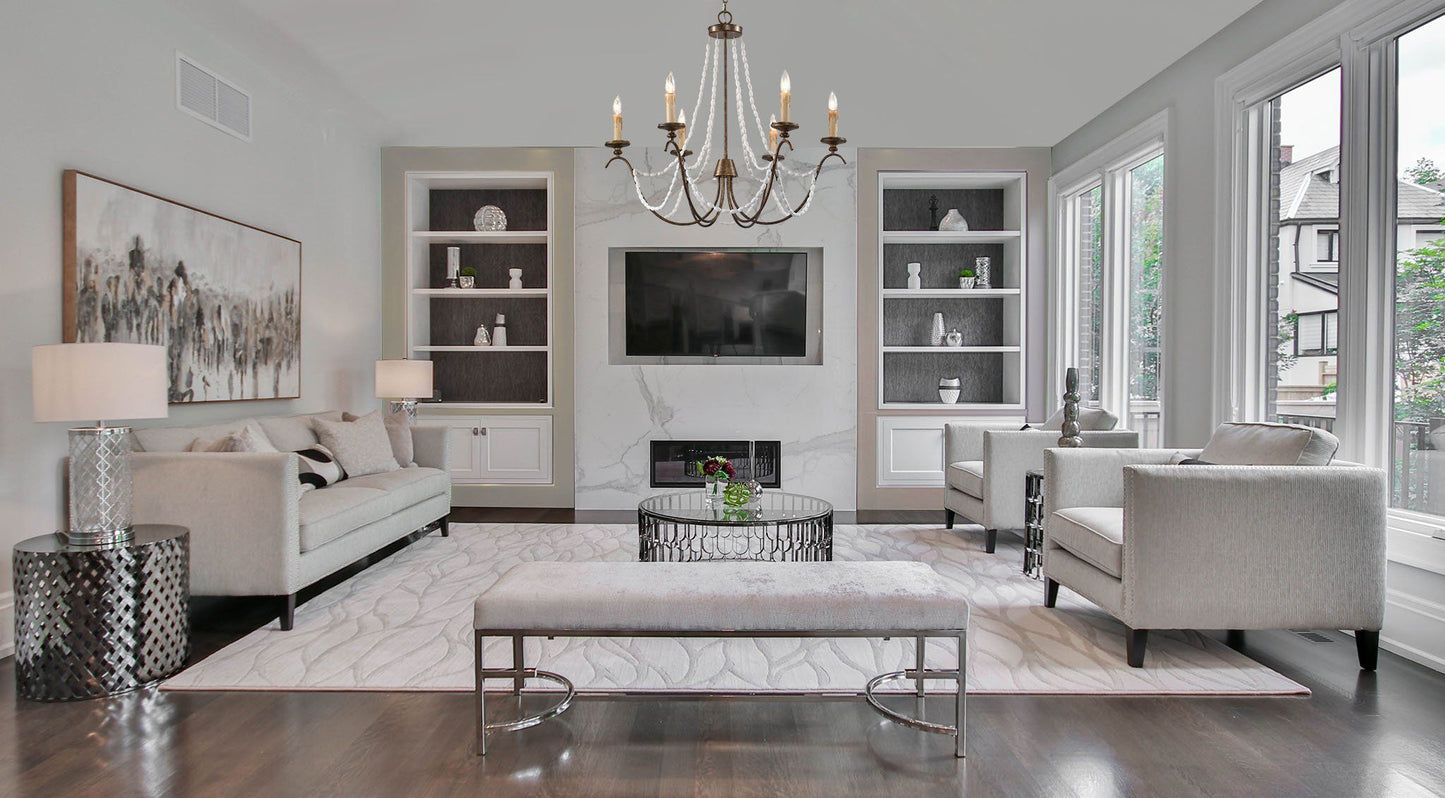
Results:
1034 524
96 621
779 527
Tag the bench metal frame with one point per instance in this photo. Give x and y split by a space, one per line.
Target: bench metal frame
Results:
519 674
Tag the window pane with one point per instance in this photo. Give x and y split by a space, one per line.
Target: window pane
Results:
1418 435
1304 260
1146 302
1089 221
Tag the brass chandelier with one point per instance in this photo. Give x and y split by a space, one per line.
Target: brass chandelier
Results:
686 171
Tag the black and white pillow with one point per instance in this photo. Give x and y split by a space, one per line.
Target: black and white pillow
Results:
319 468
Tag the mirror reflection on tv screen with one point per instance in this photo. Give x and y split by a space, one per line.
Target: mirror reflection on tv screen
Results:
717 304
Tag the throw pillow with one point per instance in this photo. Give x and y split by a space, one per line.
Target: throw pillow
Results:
1090 418
1262 443
398 429
251 438
225 443
361 447
318 468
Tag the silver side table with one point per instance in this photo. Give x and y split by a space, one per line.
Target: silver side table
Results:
1034 524
96 621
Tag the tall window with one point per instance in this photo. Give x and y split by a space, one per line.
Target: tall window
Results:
1417 440
1109 262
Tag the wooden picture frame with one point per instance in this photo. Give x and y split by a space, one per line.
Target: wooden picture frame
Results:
223 297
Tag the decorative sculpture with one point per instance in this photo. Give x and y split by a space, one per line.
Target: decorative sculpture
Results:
1070 438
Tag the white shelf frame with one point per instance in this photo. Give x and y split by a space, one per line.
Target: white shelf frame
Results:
949 293
418 185
943 350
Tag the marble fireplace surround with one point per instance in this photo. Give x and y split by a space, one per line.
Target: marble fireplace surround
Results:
811 409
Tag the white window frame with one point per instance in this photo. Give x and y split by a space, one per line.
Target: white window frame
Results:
1357 36
1109 166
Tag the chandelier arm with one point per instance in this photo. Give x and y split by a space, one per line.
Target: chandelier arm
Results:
752 99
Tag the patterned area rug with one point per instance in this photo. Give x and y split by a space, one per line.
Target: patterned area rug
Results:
405 624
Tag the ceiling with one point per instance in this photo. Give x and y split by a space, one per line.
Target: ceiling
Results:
908 73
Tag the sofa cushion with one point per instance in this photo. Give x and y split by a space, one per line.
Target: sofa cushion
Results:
1092 419
967 476
1093 534
330 513
406 486
179 439
294 433
1262 443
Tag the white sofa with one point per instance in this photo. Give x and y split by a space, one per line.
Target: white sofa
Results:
255 532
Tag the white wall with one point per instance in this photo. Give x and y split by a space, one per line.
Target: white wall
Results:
91 86
1187 87
811 409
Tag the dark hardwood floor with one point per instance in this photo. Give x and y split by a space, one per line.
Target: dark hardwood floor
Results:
1359 734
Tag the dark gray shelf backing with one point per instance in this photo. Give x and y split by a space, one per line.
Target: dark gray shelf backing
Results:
453 209
454 321
909 322
913 377
941 263
907 208
492 262
514 377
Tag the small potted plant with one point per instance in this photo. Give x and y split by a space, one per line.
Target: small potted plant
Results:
468 277
716 472
966 278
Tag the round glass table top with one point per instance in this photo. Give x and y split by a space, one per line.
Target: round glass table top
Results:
772 507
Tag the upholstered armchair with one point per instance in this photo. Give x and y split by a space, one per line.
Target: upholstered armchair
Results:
1163 545
985 464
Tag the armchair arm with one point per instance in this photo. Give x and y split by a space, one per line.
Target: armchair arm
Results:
1110 439
1254 547
431 446
965 441
1092 477
242 510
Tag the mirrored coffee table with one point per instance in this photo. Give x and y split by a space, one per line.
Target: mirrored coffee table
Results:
781 527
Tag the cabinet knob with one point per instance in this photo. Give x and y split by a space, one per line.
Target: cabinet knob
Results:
482 431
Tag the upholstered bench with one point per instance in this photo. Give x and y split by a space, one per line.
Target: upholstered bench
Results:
720 599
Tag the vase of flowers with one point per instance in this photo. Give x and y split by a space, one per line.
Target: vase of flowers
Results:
717 472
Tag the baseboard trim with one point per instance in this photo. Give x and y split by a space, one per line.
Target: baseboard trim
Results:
1415 629
7 624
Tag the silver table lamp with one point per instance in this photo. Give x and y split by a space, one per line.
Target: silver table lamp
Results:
404 382
87 382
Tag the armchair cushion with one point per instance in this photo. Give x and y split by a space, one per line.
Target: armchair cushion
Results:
1094 535
1261 443
967 476
1090 418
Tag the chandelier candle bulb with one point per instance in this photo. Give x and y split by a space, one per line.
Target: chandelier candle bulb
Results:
617 118
772 134
785 87
832 115
669 88
682 132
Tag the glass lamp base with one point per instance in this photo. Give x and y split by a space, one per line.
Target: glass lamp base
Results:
101 497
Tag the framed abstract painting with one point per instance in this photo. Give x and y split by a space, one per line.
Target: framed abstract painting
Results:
223 297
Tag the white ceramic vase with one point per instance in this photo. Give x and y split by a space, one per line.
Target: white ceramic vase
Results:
953 222
936 338
914 281
949 389
516 281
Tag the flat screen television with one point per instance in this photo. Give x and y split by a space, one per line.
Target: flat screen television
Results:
718 304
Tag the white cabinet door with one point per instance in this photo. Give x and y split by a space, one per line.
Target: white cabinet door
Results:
516 449
910 449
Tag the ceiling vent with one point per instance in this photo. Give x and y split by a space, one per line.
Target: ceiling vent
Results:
212 99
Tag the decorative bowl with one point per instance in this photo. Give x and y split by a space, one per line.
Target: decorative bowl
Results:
489 218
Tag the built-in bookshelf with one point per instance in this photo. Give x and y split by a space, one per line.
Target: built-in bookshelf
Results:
441 321
989 361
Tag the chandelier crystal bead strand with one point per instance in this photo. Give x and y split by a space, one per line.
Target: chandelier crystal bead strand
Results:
686 171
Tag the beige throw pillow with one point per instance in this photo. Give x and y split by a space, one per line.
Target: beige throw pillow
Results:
361 447
398 429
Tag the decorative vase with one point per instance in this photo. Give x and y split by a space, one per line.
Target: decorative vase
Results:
482 337
936 337
467 281
499 331
1070 429
953 222
454 265
914 281
949 389
966 282
516 281
981 268
713 486
740 493
489 218
954 338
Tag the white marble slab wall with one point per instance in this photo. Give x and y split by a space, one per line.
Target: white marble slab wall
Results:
620 409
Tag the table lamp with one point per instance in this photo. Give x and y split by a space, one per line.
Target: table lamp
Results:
91 382
404 382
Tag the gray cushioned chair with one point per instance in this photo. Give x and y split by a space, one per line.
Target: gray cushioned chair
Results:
1265 537
985 464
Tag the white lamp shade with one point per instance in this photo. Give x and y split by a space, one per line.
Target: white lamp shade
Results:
403 379
95 382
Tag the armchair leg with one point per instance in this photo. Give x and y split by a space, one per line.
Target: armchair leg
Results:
1134 642
1367 645
990 541
1234 638
1051 592
446 526
948 519
288 612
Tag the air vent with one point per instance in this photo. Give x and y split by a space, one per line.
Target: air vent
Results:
1313 637
212 99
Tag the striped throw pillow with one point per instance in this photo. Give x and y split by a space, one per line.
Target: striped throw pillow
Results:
319 468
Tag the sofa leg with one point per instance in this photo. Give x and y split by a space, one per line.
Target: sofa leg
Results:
288 612
1367 645
990 540
1051 592
446 526
948 519
1135 641
1234 638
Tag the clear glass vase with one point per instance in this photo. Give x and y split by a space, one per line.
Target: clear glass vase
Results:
713 486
